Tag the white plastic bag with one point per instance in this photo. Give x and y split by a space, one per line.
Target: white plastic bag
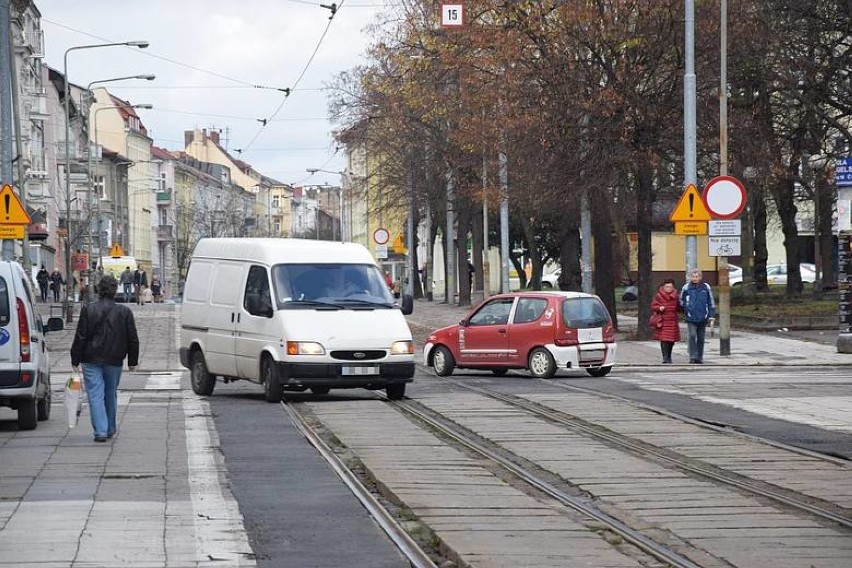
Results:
73 398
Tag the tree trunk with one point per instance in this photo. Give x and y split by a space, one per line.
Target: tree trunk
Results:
644 202
782 192
462 267
570 250
603 277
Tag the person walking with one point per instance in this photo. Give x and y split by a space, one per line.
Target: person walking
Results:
126 282
56 282
696 297
666 305
156 290
140 282
106 335
43 279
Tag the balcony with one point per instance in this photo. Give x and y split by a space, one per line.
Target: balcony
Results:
164 232
164 198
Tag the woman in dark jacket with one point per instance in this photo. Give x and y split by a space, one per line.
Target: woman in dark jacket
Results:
106 334
667 304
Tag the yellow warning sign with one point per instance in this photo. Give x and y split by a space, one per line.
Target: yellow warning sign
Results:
12 212
116 250
690 227
690 207
399 246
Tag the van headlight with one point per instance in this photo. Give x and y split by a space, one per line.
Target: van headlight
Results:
304 348
402 348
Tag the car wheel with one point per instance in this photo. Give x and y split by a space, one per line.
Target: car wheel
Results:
43 406
271 385
546 285
202 382
395 391
499 372
320 390
27 414
599 371
443 362
541 364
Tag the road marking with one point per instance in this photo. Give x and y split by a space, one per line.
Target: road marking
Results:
164 381
219 532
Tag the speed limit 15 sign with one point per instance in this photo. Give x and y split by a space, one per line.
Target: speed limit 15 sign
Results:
452 15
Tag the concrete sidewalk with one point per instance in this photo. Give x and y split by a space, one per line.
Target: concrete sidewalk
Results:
747 348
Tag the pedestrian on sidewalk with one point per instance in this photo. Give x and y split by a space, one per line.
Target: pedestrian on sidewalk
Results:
126 282
140 282
696 298
106 335
666 304
56 282
43 279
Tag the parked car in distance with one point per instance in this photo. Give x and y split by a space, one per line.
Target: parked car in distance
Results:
550 281
539 331
775 273
735 275
24 359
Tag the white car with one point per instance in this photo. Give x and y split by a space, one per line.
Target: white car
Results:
775 274
551 280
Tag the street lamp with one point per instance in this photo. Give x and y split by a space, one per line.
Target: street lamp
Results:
69 310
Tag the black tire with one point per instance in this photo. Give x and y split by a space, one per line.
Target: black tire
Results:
599 371
395 391
320 390
202 382
499 372
443 362
272 390
541 363
27 414
546 286
43 405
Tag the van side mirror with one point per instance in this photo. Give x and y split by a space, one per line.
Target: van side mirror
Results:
407 304
53 324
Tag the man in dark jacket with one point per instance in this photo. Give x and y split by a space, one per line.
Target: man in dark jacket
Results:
106 334
140 281
43 278
696 299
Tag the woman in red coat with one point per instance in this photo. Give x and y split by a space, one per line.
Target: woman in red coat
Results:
667 304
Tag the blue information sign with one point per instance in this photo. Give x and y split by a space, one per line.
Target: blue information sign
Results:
843 172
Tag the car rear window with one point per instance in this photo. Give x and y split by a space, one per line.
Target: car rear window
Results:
5 314
584 313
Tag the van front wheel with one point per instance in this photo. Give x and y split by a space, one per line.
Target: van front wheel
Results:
272 389
202 382
395 391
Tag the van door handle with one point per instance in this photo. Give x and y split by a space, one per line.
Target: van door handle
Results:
232 317
238 318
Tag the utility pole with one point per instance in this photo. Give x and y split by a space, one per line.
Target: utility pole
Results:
689 124
6 111
503 173
724 280
450 238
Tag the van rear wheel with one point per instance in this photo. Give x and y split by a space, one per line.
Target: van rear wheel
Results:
395 391
202 382
27 414
43 405
272 389
599 371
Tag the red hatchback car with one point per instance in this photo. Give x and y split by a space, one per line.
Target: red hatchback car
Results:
539 331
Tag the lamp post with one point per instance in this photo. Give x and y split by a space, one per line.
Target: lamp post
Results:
69 310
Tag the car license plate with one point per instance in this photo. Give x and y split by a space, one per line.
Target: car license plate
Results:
591 355
591 335
362 370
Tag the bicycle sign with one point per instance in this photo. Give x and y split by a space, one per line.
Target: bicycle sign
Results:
724 246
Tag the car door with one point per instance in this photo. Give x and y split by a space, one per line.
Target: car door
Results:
528 328
484 340
256 326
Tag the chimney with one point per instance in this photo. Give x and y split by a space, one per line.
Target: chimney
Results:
214 136
188 137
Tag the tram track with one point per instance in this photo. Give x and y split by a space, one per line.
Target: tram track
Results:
820 509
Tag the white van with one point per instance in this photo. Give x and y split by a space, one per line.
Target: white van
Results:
24 360
293 314
115 266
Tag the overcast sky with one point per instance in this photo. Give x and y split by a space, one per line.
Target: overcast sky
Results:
206 55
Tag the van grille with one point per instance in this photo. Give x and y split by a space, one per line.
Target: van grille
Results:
363 355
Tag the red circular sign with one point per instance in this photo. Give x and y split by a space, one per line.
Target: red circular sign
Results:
381 236
725 197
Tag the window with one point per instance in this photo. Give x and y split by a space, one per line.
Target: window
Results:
5 313
164 216
584 313
495 312
529 309
276 227
274 202
100 187
257 301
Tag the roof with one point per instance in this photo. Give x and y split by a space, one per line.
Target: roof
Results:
161 153
280 251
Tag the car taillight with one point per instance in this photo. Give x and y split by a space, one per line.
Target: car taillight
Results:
569 337
23 332
609 333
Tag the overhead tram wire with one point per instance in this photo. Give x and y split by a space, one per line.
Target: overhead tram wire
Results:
301 75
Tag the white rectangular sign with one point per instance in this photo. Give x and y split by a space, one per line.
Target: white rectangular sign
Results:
724 246
381 252
452 15
729 228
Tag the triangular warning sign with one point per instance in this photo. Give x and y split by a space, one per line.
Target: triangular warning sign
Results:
690 207
12 212
399 246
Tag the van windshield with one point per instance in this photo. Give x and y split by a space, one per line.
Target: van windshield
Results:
584 313
358 285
